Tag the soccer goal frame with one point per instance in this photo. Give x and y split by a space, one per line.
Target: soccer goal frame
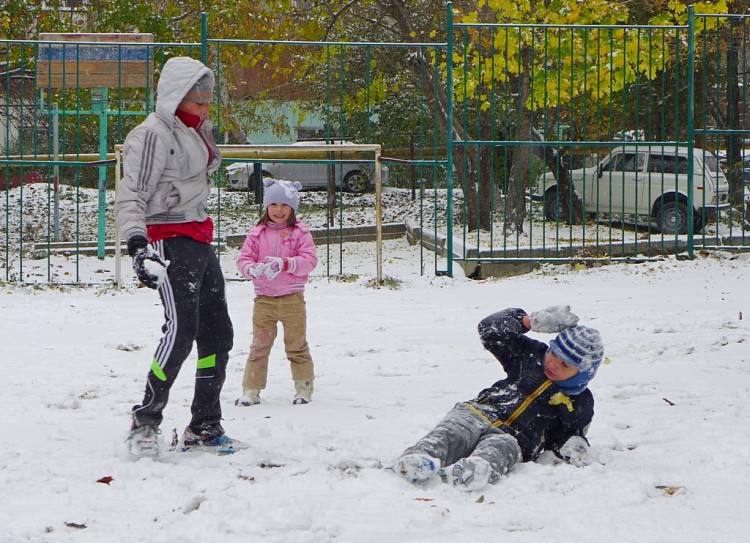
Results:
312 153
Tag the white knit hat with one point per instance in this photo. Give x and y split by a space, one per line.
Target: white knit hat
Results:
281 192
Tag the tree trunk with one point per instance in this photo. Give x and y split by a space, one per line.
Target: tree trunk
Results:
485 200
570 201
734 142
464 160
571 204
516 197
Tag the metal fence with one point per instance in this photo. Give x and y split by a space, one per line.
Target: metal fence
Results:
586 143
62 122
556 143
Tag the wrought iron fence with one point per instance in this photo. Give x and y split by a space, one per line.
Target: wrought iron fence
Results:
70 100
555 143
586 143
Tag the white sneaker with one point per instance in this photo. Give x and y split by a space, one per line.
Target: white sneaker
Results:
468 474
302 392
250 396
416 468
144 440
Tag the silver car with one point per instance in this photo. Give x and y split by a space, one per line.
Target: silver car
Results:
650 181
357 177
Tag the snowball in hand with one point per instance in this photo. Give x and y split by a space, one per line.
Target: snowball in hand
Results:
552 319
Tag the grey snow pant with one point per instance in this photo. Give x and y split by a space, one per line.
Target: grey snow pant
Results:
463 433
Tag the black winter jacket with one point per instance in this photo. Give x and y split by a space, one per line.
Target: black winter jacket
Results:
526 404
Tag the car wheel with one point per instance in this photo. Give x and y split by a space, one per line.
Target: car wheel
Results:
672 218
356 181
700 220
552 210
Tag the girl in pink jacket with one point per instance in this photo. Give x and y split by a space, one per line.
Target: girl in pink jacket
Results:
278 254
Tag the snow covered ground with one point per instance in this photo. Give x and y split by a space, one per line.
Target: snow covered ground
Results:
670 434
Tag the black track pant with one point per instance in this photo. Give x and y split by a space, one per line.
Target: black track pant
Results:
195 311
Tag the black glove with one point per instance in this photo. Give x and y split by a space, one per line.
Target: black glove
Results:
136 242
148 265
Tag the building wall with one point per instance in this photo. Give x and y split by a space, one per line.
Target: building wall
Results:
301 125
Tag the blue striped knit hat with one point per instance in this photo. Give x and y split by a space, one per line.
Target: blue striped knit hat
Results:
582 347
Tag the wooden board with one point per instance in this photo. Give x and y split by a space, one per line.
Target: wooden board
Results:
95 60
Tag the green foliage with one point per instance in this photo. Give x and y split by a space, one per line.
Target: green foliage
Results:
569 62
376 94
157 18
23 20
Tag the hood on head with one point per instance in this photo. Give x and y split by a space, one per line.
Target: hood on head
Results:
178 76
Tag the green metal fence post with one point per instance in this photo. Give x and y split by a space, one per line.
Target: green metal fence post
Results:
449 138
99 105
691 127
204 38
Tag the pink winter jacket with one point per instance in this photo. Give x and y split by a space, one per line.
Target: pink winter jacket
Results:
273 239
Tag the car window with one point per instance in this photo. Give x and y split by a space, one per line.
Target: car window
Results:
625 162
668 164
711 163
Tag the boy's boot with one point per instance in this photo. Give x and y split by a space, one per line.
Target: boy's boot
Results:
472 473
303 392
416 468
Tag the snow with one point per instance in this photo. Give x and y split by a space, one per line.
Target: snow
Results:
669 438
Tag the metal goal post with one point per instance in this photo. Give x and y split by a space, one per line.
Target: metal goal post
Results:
314 153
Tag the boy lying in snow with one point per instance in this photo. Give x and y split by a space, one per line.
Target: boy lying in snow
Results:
542 404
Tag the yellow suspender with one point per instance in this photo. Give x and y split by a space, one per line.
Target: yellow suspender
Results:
520 409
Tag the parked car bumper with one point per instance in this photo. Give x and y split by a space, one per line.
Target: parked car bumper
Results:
239 175
711 213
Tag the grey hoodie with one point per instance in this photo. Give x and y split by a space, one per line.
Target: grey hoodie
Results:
165 163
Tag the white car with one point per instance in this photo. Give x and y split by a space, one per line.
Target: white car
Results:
649 181
354 177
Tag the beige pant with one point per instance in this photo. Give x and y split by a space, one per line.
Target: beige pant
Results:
267 312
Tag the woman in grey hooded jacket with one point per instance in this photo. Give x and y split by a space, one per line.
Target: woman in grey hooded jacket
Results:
161 210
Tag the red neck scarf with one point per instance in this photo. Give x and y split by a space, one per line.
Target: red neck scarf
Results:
194 122
190 120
